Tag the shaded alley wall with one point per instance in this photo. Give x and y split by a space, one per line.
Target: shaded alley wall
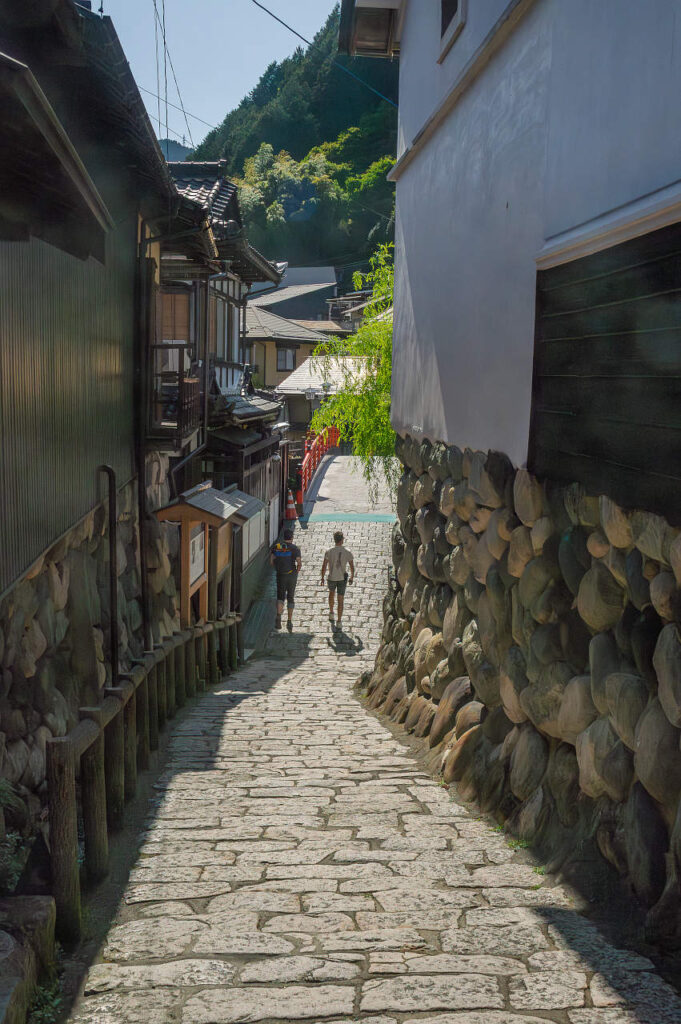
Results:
54 628
531 635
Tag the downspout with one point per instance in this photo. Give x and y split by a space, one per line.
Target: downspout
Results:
141 358
113 574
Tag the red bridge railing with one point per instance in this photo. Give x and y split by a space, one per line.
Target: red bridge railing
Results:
315 450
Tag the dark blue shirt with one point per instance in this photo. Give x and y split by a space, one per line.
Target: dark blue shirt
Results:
285 557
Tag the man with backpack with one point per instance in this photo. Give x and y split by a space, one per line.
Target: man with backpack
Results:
337 559
286 561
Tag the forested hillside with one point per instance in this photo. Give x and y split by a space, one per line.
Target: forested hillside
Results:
310 148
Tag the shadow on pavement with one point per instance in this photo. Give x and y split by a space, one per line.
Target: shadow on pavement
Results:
190 743
343 643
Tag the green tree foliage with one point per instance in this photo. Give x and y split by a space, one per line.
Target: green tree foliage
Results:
303 101
360 409
310 148
302 212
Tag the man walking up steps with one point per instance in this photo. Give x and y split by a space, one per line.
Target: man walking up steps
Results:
337 559
286 561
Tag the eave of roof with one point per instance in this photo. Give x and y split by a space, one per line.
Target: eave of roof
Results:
292 291
19 78
263 325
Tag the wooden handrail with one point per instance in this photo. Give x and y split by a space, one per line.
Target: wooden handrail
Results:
111 742
315 452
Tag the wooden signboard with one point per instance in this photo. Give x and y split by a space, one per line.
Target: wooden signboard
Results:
197 511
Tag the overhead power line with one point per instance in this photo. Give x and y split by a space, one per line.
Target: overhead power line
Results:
158 74
187 113
336 63
172 68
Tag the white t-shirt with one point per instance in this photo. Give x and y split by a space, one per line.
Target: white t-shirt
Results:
338 558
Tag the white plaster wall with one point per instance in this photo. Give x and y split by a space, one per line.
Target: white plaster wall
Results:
424 82
575 116
469 222
615 131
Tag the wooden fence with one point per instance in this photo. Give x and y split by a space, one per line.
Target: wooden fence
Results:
111 743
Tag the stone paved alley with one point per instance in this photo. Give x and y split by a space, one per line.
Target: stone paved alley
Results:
299 865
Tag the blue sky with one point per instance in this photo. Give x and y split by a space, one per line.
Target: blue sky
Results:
219 49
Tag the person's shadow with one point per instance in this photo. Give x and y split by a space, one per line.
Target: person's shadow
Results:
343 643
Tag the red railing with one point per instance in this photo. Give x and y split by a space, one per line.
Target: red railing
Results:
315 449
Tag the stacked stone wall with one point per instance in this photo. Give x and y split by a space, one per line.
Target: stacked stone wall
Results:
531 638
54 630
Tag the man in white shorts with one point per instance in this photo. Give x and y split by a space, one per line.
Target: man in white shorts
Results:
337 559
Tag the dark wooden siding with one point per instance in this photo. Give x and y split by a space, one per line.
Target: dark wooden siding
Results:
607 373
66 388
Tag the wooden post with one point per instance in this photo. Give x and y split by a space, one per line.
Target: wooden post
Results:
203 660
152 682
198 645
240 640
93 795
143 743
161 687
223 659
61 797
213 670
233 654
114 764
170 678
190 664
130 749
138 679
180 685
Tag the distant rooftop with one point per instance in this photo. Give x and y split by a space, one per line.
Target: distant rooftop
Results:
261 324
293 291
317 371
325 326
206 184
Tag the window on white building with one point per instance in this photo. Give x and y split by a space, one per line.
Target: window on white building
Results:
452 20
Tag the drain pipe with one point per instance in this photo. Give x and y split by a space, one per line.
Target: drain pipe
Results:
113 575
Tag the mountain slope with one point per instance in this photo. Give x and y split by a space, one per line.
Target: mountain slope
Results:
310 148
302 101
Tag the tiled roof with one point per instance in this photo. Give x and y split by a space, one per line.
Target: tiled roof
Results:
206 184
325 326
291 291
263 325
317 371
249 407
209 499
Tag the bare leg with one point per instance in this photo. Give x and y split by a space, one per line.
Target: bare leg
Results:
341 602
280 609
331 595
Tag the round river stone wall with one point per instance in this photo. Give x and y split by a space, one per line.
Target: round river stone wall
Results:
531 633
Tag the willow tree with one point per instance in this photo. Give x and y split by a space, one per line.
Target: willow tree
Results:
360 407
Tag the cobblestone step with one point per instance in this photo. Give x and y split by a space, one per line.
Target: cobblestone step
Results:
299 865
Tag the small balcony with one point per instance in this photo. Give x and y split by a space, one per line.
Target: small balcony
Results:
175 412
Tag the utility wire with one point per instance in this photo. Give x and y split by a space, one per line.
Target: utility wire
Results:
158 71
187 113
165 62
335 62
172 68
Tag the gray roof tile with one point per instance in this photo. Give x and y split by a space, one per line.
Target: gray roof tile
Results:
261 324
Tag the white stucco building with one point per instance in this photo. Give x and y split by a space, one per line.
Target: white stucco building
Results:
532 133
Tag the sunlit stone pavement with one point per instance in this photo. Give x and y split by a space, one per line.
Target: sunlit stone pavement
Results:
299 865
